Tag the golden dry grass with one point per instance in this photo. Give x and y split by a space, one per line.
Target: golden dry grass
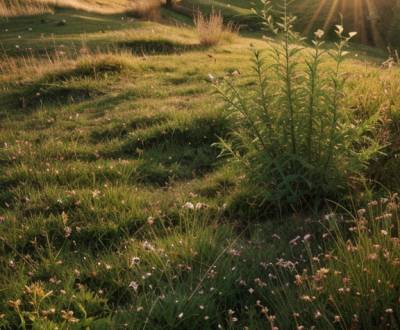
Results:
11 8
22 68
142 8
211 30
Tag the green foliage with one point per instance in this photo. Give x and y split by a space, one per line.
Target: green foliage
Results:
292 137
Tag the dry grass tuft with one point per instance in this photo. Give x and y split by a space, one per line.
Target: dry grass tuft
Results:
147 9
211 30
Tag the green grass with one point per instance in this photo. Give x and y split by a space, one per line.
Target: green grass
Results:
100 154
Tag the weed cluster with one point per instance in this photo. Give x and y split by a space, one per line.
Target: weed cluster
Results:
292 138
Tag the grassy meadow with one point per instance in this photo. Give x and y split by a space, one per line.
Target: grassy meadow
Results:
158 173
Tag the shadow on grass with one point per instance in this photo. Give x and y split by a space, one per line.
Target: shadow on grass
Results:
158 47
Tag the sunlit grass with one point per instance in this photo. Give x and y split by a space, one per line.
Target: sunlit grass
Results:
115 210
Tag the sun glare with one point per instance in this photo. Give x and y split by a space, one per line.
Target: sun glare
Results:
363 16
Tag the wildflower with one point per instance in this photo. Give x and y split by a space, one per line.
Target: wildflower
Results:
319 33
294 240
372 256
37 290
69 316
148 246
352 34
134 285
285 264
306 298
321 274
200 206
361 212
307 237
276 236
260 283
180 315
95 193
67 231
150 220
336 319
134 261
317 314
339 29
234 253
14 303
298 280
384 232
251 290
188 206
389 310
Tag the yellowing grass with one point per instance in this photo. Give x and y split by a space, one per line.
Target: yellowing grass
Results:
211 30
10 8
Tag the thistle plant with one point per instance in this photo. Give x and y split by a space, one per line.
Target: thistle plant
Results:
292 137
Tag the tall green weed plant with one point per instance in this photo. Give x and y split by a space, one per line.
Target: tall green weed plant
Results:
292 137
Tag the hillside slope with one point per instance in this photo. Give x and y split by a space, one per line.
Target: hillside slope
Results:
375 21
116 211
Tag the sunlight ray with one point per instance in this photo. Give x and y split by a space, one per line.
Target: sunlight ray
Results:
317 13
372 18
331 14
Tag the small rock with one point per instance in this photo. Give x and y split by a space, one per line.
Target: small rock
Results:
62 22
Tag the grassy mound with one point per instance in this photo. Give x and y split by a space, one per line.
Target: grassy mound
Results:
84 80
